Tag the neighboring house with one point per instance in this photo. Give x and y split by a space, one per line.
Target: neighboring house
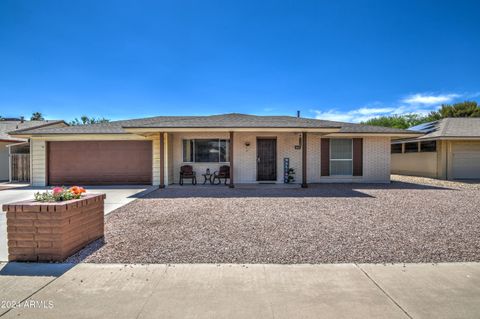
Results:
15 145
448 149
152 150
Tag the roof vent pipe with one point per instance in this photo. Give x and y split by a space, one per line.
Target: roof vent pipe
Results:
22 119
298 114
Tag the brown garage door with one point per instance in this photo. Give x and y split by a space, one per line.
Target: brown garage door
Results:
99 163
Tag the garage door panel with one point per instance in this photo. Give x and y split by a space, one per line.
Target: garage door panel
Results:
100 162
466 165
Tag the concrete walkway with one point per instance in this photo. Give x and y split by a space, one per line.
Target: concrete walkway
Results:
241 291
117 196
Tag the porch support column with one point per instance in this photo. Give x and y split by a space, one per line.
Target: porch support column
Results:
230 156
162 160
304 160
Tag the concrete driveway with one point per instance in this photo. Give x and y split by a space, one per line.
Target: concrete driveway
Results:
117 196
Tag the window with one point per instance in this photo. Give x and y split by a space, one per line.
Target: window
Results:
429 146
411 147
396 148
205 150
341 162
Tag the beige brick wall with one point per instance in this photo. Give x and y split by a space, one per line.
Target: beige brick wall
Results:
245 167
156 159
169 159
38 163
313 159
415 164
376 162
376 158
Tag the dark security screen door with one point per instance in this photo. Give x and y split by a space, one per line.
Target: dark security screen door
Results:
266 159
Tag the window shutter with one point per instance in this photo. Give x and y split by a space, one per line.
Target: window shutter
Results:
358 157
325 156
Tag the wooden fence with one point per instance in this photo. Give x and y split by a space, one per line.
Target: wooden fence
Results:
20 167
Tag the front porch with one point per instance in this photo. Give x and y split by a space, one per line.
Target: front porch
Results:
252 157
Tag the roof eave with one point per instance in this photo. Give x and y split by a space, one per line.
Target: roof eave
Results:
439 138
393 135
11 140
143 130
16 132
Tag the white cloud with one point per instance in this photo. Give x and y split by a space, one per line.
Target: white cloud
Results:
416 103
374 110
358 115
429 99
334 115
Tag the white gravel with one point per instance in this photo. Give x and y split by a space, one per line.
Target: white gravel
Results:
332 223
466 184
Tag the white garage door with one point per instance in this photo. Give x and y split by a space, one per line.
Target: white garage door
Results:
466 161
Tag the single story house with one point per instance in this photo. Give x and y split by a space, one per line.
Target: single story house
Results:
257 149
14 151
448 149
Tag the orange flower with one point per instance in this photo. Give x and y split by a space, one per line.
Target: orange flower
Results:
77 190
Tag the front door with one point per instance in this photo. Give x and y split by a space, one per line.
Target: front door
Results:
266 159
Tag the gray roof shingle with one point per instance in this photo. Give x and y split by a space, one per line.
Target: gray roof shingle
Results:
450 127
232 120
7 127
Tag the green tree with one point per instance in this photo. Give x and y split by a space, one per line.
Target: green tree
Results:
462 109
397 121
37 116
84 120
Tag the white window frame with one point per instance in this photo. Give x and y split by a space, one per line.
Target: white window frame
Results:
339 159
193 150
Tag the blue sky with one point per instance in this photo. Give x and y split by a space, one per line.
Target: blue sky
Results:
341 60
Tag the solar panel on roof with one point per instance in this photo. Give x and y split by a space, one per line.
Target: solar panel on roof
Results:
425 127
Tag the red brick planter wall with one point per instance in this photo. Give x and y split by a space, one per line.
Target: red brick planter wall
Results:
40 231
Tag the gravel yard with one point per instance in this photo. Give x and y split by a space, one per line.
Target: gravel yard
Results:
470 184
409 220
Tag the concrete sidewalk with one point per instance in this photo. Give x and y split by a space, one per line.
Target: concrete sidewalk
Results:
242 291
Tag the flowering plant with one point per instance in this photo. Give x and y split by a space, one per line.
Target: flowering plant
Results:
59 194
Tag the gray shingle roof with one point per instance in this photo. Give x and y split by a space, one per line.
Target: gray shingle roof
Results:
233 120
450 127
7 127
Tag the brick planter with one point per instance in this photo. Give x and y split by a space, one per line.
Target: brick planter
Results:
40 231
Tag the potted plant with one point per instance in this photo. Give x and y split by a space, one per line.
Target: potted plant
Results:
291 175
54 225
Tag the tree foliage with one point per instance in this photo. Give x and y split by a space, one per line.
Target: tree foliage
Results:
396 121
462 109
37 116
88 120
